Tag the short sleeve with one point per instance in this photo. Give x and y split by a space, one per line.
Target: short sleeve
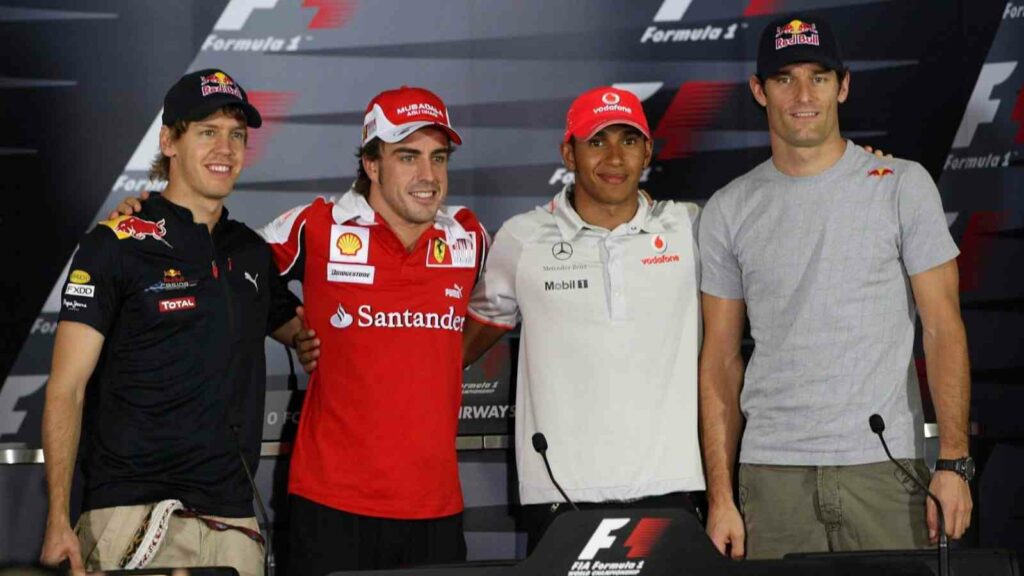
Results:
720 269
282 301
92 291
285 235
494 297
925 241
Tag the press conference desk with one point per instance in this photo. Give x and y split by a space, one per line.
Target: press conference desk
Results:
672 542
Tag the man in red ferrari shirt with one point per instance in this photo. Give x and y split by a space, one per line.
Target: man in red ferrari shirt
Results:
387 271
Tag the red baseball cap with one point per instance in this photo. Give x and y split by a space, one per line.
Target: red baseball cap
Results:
602 107
394 114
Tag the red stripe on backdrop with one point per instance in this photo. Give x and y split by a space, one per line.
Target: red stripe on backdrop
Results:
330 13
761 8
692 109
272 106
1018 116
974 247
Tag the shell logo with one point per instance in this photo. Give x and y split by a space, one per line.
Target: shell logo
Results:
79 277
349 244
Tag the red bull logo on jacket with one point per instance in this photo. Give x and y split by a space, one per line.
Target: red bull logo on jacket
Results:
219 83
880 172
796 32
137 228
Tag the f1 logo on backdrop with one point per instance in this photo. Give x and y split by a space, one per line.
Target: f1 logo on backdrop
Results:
329 13
982 107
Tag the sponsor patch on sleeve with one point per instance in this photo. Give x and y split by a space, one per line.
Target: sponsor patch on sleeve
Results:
80 290
460 254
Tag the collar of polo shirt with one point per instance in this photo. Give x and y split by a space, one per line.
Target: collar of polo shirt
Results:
352 204
646 219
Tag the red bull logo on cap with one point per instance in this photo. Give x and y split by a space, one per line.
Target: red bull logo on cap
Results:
219 83
137 228
796 32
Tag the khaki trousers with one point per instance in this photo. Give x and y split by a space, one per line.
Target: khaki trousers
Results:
106 533
832 508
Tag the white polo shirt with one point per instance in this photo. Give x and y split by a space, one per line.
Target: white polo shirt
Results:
608 348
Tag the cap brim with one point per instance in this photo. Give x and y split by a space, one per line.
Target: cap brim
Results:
800 57
211 105
591 131
403 131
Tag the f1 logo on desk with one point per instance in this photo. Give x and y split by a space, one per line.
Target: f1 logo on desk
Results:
641 540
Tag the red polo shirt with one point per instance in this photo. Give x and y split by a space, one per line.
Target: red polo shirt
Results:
377 431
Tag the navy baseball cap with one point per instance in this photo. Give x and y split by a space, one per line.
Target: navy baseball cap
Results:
797 38
201 93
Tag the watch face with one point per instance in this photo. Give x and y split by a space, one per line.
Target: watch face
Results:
968 464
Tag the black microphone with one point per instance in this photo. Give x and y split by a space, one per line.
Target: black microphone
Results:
878 426
540 444
268 545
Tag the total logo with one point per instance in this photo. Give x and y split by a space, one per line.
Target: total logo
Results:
646 534
673 11
177 304
366 317
326 14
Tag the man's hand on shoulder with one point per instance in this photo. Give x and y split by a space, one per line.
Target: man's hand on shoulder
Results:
955 495
725 529
880 153
60 543
129 205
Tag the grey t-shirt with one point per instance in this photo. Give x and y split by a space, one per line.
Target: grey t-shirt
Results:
823 263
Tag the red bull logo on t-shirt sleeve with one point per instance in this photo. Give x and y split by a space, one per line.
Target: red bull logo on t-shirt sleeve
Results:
137 228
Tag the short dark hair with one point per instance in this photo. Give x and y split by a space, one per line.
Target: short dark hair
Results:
160 167
371 151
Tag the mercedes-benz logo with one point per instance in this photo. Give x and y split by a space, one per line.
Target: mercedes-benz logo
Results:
561 250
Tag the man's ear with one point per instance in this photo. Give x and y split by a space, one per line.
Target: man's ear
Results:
167 143
372 168
568 156
844 87
757 90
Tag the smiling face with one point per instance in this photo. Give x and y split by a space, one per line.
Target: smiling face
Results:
802 103
608 165
206 160
409 181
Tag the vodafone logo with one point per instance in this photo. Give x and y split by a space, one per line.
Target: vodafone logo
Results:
176 304
610 98
659 244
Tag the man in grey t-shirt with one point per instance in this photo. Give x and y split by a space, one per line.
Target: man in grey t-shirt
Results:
830 251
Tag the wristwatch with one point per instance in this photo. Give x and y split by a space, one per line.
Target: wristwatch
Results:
962 466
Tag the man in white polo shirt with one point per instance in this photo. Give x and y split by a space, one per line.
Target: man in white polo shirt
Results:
605 282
